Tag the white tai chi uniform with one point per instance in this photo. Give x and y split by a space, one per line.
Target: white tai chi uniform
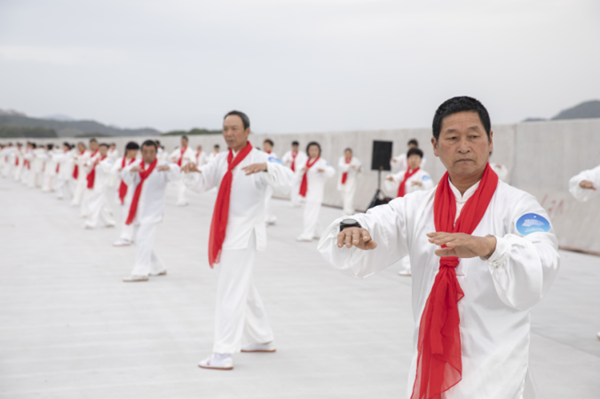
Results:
85 198
49 175
9 161
114 179
213 155
182 157
150 211
201 158
18 164
498 292
37 167
348 189
64 160
583 194
314 197
126 229
79 159
501 171
270 217
402 162
162 155
98 203
426 183
295 163
240 311
26 171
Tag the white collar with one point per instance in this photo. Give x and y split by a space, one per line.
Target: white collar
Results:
462 198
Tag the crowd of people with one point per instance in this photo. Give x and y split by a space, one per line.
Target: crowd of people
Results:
483 253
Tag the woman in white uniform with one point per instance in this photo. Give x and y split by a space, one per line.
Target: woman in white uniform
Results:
349 167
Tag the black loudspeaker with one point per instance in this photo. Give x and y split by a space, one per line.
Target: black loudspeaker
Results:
382 153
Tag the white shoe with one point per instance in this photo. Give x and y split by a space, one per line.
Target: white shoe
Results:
405 273
163 273
87 227
110 225
303 239
135 279
217 362
121 242
182 204
268 347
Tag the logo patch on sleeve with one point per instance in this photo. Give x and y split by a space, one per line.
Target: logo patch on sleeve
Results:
532 223
275 160
425 178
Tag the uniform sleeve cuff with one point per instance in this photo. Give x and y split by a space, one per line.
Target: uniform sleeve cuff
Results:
500 253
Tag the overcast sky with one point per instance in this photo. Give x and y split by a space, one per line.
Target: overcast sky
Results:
297 65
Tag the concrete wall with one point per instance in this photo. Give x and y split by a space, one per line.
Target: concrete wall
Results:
541 158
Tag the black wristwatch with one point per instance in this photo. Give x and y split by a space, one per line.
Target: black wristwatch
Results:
348 223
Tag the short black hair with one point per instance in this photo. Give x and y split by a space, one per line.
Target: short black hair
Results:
157 142
113 144
132 145
67 144
50 146
295 143
311 144
348 149
414 151
103 145
185 137
270 142
460 104
92 140
217 146
34 145
149 143
413 142
243 117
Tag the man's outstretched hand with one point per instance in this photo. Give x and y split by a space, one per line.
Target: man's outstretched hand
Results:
255 168
588 185
462 245
190 167
355 236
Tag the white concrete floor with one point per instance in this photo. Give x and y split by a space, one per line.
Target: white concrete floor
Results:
69 328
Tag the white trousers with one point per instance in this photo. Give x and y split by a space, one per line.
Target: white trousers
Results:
295 197
8 167
181 200
18 170
312 227
48 183
348 201
146 260
126 230
99 207
269 215
62 186
405 264
80 187
240 313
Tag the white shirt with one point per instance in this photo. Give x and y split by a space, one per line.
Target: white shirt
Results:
344 167
499 292
65 161
200 158
103 172
583 194
420 176
402 163
189 156
299 162
246 206
501 170
213 155
315 180
151 205
113 154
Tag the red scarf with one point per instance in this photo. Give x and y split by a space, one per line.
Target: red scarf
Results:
407 175
181 156
304 184
198 157
91 177
439 362
76 168
294 155
218 225
123 186
345 174
144 173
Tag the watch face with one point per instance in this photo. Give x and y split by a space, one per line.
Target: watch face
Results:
349 221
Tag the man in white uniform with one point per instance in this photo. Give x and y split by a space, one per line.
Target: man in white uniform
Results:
400 160
148 179
349 167
7 156
49 170
295 160
501 170
584 186
37 166
99 173
80 155
88 162
483 254
64 161
270 217
313 175
124 194
161 155
201 158
182 156
18 162
238 230
214 154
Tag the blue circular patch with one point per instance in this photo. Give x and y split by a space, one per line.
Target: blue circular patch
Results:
425 178
532 223
275 160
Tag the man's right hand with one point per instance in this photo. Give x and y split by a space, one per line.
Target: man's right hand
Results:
587 185
355 236
135 169
190 167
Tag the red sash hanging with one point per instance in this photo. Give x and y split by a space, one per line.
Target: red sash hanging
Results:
294 155
345 174
123 186
91 177
181 156
144 173
304 183
407 175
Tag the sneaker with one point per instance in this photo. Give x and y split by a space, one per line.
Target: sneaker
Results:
268 347
110 225
163 273
303 239
217 362
182 204
121 242
135 279
405 273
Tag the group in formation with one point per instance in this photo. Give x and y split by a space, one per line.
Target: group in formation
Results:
481 252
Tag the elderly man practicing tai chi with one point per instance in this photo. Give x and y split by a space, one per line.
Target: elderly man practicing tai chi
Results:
237 230
483 254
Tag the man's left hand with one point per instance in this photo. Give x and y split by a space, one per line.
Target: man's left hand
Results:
462 245
255 168
163 168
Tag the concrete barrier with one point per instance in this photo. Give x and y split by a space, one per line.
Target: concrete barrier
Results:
541 158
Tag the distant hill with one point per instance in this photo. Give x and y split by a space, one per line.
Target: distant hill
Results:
12 121
192 132
587 109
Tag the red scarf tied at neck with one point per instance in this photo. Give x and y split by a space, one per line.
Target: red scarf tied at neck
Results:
345 174
76 168
407 175
439 362
294 155
218 225
144 173
123 186
91 177
181 156
304 184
